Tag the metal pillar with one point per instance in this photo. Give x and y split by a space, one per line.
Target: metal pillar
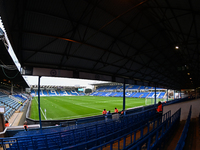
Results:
124 95
39 102
11 91
174 94
167 95
155 96
196 93
180 94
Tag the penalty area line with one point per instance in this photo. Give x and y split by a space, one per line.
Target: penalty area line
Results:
41 110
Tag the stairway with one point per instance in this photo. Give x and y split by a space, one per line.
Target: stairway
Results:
192 141
193 136
172 142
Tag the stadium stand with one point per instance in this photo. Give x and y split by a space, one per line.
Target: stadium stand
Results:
130 94
119 94
107 91
53 93
63 93
56 93
144 95
128 87
142 87
22 99
33 93
10 106
2 94
131 91
161 95
92 133
73 92
135 87
151 95
137 94
81 93
81 133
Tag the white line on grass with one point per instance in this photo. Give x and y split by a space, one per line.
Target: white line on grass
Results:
78 116
88 107
41 110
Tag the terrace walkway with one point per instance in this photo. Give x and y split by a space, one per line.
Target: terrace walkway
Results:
14 120
193 136
172 142
18 117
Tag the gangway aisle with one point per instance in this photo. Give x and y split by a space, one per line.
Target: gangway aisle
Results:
172 142
193 136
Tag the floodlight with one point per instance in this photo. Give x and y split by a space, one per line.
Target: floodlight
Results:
176 47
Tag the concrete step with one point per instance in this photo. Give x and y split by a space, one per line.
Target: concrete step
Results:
172 142
193 137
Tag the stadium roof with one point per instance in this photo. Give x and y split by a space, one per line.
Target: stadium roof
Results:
8 71
149 42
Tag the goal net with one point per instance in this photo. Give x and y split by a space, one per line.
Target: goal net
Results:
151 101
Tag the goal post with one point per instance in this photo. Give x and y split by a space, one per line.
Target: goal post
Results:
150 101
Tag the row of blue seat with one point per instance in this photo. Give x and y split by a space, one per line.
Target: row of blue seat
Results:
2 94
75 136
133 128
95 134
56 93
10 106
127 94
22 99
120 87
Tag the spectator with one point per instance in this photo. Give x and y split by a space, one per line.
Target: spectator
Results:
25 126
104 112
116 110
108 112
159 108
122 112
7 124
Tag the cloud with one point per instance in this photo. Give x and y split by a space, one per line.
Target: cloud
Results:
33 80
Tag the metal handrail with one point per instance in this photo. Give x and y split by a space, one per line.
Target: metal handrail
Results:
181 141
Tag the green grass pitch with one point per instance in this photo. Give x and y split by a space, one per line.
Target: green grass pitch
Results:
70 107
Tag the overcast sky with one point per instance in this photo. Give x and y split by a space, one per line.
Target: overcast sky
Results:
33 80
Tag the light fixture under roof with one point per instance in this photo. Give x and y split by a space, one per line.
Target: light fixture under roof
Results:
188 73
190 78
176 47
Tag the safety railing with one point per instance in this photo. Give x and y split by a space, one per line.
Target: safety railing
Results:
130 140
181 141
125 120
70 137
152 140
131 132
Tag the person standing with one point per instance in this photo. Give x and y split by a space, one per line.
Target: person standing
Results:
122 112
25 126
104 112
116 110
108 112
159 108
7 124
